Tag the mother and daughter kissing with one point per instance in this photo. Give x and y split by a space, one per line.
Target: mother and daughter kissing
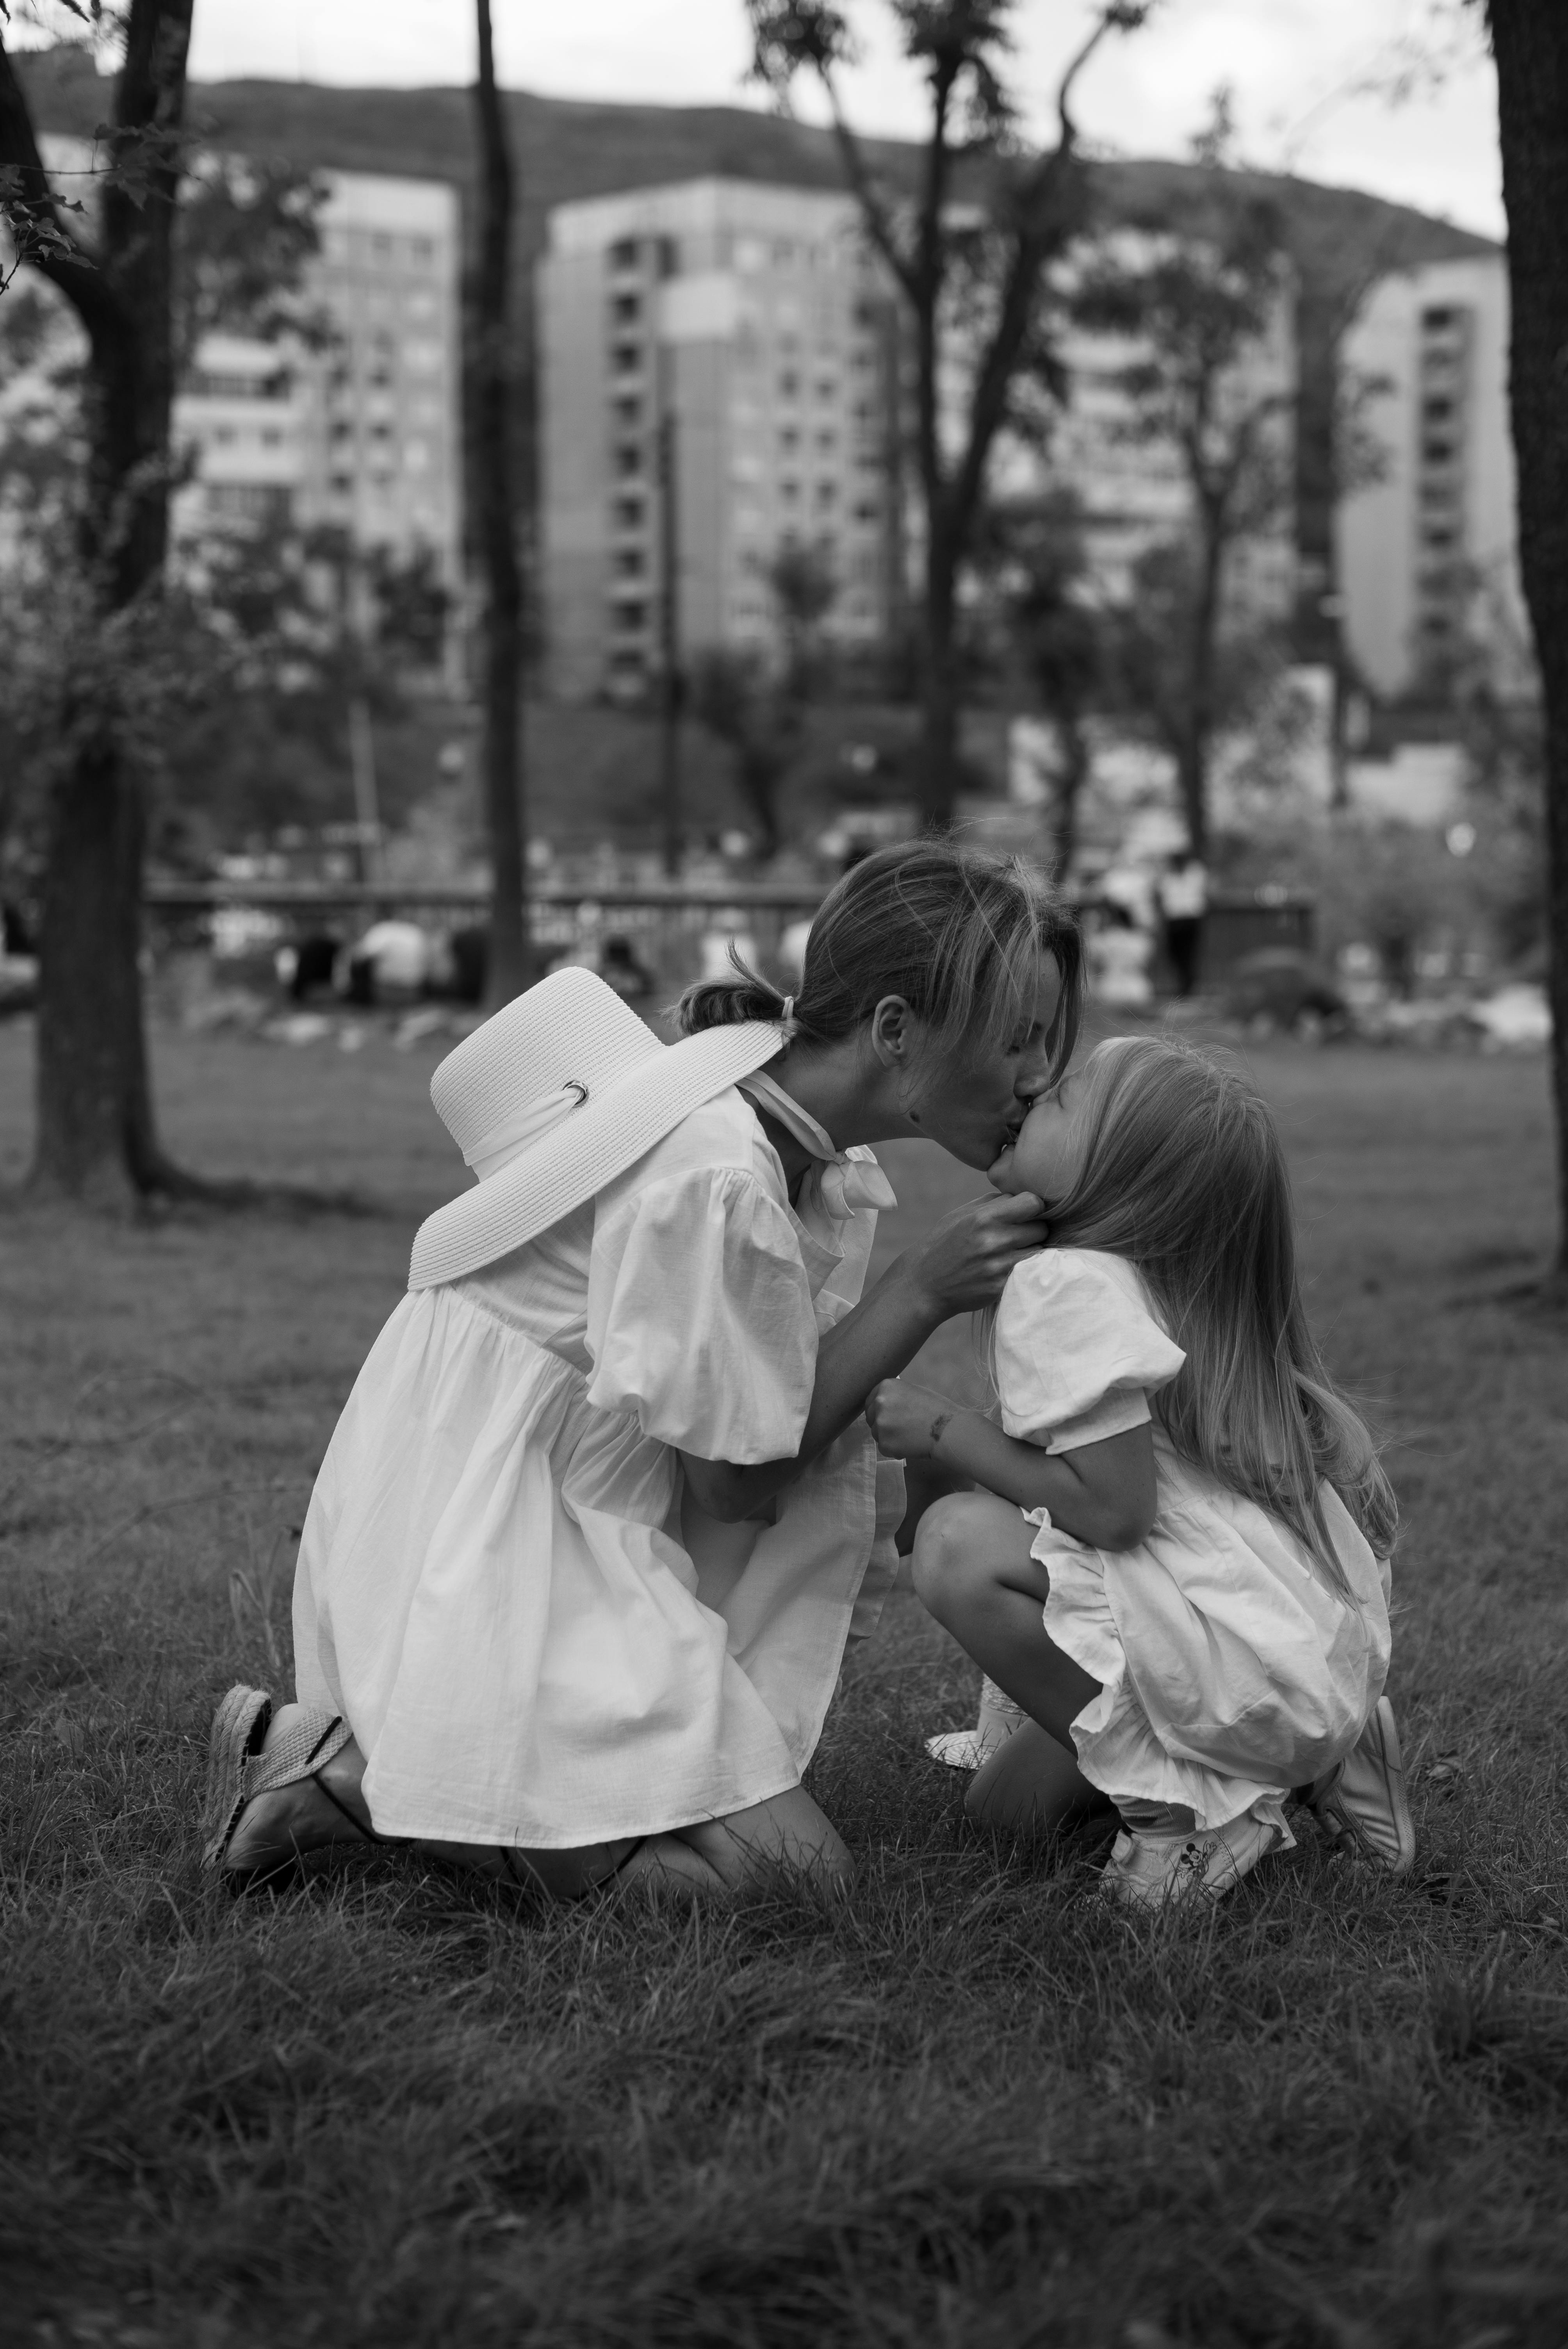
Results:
620 1478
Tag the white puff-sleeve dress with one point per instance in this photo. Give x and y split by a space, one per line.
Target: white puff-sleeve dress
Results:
1230 1667
535 1636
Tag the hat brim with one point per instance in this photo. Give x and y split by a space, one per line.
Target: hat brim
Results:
589 1148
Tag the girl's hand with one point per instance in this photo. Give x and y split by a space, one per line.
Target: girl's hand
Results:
906 1420
962 1263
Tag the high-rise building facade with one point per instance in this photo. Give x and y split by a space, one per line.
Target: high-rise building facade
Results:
716 378
1428 553
363 433
1133 486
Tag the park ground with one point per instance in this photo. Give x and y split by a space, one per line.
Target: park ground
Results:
973 2107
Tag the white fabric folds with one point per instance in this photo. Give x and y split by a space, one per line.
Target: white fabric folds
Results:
1231 1669
503 1583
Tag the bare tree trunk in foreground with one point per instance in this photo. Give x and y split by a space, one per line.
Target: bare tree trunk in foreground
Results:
1530 40
97 1138
491 423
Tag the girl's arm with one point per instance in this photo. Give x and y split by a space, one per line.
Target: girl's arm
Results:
1103 1493
961 1266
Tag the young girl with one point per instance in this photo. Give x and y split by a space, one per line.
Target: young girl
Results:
1192 1600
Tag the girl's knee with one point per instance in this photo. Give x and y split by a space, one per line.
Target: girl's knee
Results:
951 1550
942 1545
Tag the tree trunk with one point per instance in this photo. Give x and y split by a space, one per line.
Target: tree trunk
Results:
1198 718
1530 38
95 1136
491 476
96 1139
940 697
1074 775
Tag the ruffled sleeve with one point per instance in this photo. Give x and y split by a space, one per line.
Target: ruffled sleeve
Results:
699 1317
1077 1351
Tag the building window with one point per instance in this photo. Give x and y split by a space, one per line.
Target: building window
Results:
623 254
827 440
788 384
630 563
628 309
788 492
827 496
789 440
629 461
627 358
629 414
423 248
381 246
630 513
630 617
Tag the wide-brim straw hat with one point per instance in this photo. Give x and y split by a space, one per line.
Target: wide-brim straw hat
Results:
557 1095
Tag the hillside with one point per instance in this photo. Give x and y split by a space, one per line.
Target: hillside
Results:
1341 238
568 148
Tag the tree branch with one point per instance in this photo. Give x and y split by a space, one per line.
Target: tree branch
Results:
72 270
863 187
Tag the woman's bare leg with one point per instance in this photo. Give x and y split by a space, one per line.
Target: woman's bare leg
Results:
974 1571
713 1855
787 1832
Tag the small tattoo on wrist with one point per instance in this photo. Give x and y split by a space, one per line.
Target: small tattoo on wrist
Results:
937 1425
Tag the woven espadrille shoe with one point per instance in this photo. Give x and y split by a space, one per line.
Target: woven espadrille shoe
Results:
267 1805
1363 1797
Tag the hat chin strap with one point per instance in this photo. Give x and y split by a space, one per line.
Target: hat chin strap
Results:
502 1144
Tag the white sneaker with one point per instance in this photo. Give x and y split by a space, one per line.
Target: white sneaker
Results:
966 1749
1154 1867
1364 1795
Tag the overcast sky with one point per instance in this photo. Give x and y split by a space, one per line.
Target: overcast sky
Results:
1311 77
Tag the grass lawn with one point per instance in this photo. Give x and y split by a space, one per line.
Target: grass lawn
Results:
971 2109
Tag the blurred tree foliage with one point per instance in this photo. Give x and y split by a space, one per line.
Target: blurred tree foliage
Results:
1197 294
237 697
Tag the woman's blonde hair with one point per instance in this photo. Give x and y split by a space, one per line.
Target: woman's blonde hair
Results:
959 933
1184 1177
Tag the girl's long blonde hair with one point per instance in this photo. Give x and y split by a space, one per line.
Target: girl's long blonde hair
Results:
1183 1176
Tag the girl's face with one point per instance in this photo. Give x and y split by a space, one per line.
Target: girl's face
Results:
1047 1156
974 1110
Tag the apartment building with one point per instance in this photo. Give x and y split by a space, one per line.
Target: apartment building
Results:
1427 555
1134 491
365 432
717 377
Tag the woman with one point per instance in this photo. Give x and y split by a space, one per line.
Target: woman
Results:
602 1509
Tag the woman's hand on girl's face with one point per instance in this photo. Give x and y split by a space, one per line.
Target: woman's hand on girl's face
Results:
963 1264
905 1419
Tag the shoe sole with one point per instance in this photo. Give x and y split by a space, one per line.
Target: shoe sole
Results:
955 1749
239 1729
1385 1737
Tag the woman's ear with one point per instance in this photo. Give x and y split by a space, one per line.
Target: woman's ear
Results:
892 1031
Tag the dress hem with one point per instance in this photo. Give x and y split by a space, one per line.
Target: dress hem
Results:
399 1827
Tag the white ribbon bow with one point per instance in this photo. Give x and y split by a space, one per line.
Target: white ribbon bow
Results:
848 1178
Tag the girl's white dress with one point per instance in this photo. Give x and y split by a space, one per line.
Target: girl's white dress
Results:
1231 1669
535 1636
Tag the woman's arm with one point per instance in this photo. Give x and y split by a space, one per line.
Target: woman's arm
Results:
961 1266
1103 1493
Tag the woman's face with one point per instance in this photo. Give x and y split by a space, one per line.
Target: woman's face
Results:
976 1108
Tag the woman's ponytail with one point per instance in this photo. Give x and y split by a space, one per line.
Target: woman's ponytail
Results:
726 1002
